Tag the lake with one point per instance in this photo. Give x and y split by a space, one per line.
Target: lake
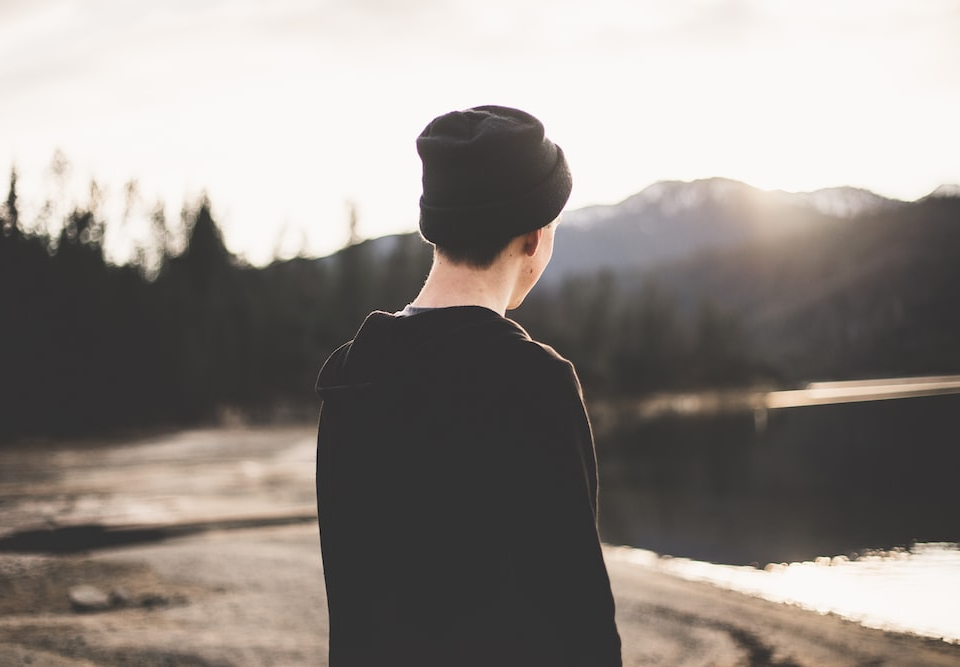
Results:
854 504
804 482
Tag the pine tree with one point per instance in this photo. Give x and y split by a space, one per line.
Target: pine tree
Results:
10 221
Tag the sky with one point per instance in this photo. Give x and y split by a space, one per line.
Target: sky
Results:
287 113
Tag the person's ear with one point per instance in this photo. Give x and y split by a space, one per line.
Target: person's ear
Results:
531 242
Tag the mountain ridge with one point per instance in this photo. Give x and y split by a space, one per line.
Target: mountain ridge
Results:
716 282
672 219
843 201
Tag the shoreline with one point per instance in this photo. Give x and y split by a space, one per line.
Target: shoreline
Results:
905 591
228 572
254 596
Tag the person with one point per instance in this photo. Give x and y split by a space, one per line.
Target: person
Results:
456 471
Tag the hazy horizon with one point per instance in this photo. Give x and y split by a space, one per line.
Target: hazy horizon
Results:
284 113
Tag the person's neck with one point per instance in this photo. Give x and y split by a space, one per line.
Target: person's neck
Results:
450 284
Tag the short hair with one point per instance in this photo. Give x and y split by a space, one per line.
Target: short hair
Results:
479 254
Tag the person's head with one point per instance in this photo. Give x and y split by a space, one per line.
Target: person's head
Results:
490 175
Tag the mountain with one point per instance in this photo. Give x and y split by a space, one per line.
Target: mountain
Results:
874 296
672 219
715 283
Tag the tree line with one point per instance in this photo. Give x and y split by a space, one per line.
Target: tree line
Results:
188 335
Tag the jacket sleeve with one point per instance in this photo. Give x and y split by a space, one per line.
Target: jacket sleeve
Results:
556 503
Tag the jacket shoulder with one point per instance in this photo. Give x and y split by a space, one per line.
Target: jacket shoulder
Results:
331 371
536 364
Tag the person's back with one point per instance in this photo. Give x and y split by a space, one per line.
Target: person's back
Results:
456 478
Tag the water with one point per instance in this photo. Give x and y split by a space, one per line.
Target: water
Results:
853 504
916 590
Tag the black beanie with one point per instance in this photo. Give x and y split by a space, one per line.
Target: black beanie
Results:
489 173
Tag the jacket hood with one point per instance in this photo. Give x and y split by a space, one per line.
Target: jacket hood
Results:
388 346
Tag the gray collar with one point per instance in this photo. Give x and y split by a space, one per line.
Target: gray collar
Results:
412 310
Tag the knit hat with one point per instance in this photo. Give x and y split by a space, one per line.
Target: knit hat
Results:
489 173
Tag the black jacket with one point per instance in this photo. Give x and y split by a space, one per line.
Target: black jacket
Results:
457 489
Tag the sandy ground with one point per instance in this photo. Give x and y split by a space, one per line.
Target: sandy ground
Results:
246 589
254 597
